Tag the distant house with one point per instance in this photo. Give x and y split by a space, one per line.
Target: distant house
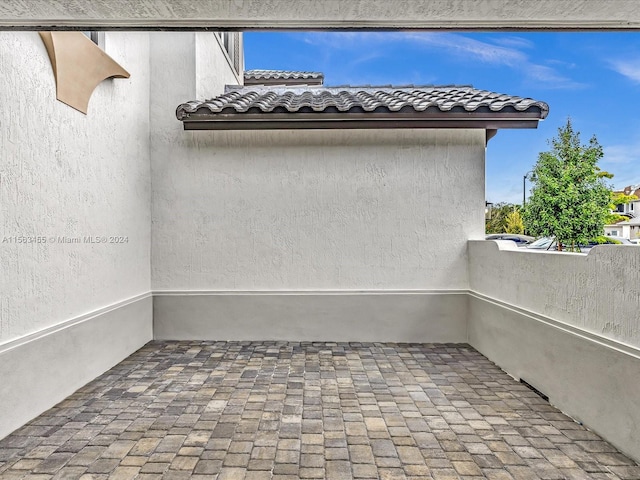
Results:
629 229
630 209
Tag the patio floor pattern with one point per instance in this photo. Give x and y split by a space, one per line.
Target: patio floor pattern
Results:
283 410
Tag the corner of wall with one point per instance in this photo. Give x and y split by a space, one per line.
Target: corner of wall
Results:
43 369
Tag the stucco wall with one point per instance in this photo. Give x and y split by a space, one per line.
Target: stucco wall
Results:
598 292
296 210
244 221
70 311
66 174
184 66
567 324
213 68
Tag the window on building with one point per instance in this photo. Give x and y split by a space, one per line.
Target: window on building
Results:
232 44
95 37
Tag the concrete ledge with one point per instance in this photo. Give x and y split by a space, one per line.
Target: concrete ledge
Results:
40 370
318 14
391 316
592 379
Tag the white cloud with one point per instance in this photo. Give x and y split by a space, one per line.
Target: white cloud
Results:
516 42
508 53
629 69
551 78
623 161
466 47
620 154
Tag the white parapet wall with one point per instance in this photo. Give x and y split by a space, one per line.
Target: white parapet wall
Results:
74 225
567 324
598 292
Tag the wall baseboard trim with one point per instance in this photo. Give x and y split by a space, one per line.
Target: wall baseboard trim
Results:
14 343
586 335
44 368
309 292
565 327
344 315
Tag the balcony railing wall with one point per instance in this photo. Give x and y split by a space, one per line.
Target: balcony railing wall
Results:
566 324
598 292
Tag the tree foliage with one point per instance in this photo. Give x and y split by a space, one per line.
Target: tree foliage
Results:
515 223
498 221
617 198
569 198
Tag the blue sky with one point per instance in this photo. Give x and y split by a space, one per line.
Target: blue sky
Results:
594 78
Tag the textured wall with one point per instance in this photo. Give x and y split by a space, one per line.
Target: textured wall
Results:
272 210
184 66
64 174
598 292
454 14
213 68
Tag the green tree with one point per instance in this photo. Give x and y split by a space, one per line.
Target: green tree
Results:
515 223
498 221
569 199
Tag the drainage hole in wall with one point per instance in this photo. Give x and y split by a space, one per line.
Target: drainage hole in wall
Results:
534 389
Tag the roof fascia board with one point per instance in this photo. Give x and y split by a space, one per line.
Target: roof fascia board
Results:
289 124
364 116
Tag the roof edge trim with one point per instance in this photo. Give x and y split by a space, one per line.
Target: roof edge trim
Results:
360 124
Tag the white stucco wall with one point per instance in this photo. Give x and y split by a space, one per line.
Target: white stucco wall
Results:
184 66
598 292
213 67
66 174
273 210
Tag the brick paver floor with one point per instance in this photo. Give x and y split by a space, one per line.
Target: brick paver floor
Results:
262 410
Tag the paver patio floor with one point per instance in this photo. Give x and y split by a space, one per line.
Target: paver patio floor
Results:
260 410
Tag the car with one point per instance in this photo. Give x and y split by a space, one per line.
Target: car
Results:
549 243
619 240
543 243
520 240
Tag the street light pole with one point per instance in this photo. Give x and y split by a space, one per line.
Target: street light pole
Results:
524 187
